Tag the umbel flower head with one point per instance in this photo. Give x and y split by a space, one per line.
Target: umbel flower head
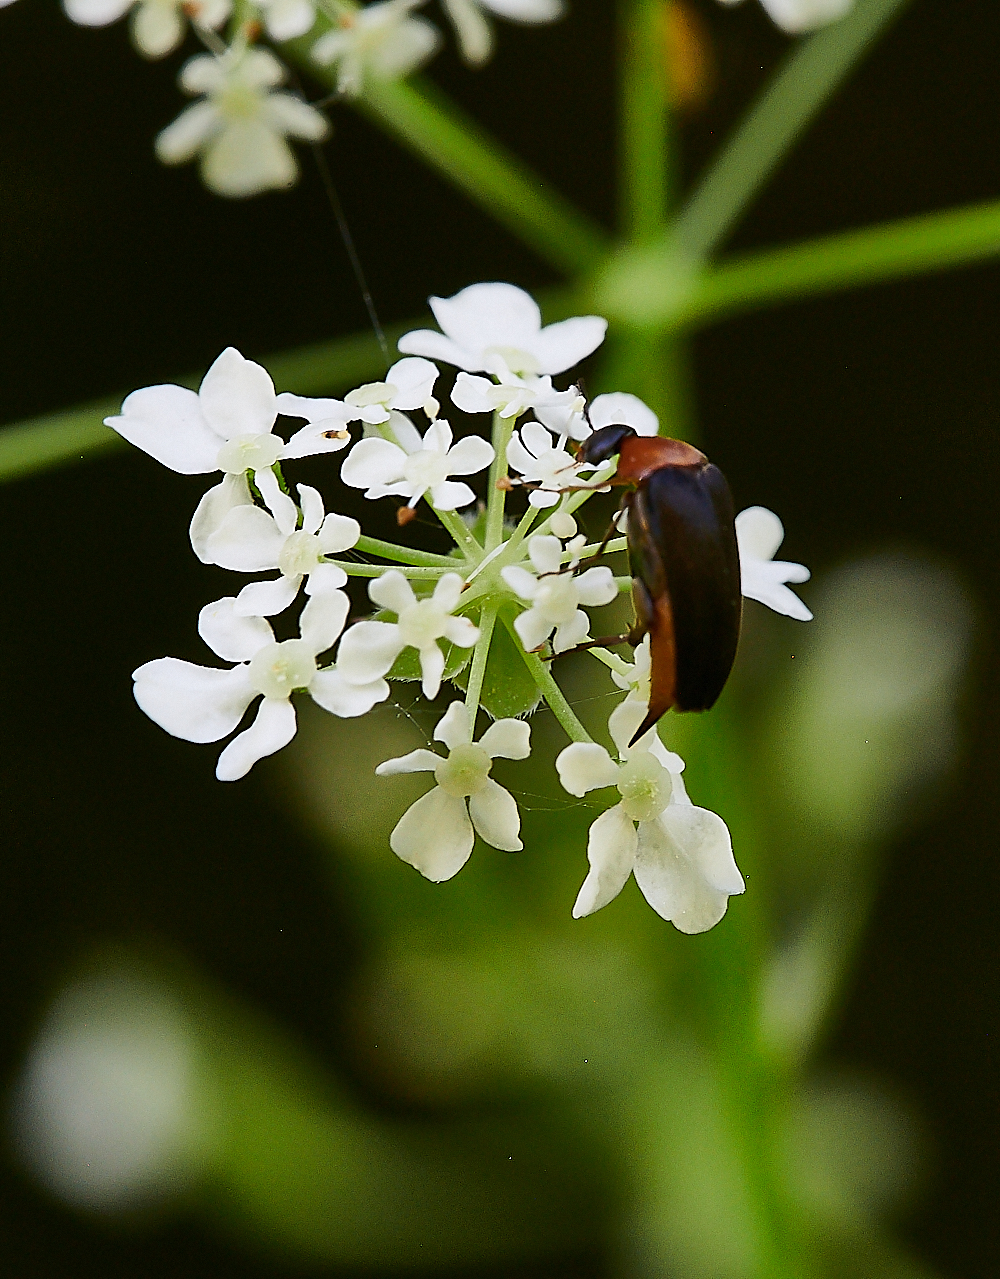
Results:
681 856
436 834
241 123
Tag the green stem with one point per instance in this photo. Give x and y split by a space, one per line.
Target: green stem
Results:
808 78
645 120
354 569
403 554
612 548
459 531
522 530
550 690
503 429
487 621
420 117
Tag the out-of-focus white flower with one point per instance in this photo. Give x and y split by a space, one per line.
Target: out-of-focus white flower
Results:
436 833
532 453
158 26
681 856
287 19
205 704
796 16
635 678
409 384
383 40
415 465
511 396
250 540
759 533
555 597
490 328
473 29
618 408
369 649
241 124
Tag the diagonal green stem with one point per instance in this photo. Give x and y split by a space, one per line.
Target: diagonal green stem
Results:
458 529
403 554
487 622
353 569
551 691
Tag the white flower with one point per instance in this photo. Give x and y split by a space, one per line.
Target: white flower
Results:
636 677
511 396
615 409
472 27
796 16
408 385
681 856
158 26
555 597
382 468
369 649
241 124
490 327
436 833
384 40
532 453
759 533
204 703
287 19
249 540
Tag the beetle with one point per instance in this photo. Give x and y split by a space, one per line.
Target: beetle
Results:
685 563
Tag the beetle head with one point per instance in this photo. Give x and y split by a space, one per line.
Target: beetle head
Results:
604 443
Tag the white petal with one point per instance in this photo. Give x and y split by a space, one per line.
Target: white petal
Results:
533 629
96 13
403 49
507 739
181 140
520 581
475 37
559 346
367 651
312 440
759 533
405 432
373 461
287 19
273 728
414 381
489 315
611 850
672 884
536 438
470 455
213 508
247 158
530 11
265 599
167 423
418 761
438 436
281 506
624 720
585 766
543 498
451 494
435 835
247 541
431 669
620 408
546 553
453 728
461 631
313 409
764 581
330 690
569 634
233 637
157 28
237 396
338 533
496 818
519 458
312 509
704 839
197 703
392 591
473 394
448 591
289 114
596 586
438 347
325 577
797 16
323 619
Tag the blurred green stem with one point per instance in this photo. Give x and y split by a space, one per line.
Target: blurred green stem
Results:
487 621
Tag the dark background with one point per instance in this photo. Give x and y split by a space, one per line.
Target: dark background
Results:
867 419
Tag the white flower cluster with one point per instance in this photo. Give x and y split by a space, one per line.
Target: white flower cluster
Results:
444 607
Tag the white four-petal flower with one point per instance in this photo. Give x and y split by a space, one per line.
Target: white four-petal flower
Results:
555 596
409 384
488 328
472 27
797 16
617 408
240 125
511 396
759 533
539 461
414 466
205 703
250 540
384 40
436 834
158 26
369 649
681 856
